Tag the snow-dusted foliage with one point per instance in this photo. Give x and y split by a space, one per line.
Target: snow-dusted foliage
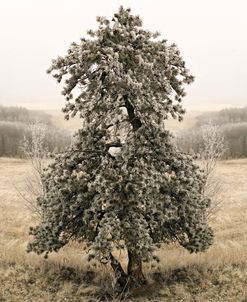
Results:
123 183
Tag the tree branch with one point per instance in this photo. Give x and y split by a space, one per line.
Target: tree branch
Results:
133 119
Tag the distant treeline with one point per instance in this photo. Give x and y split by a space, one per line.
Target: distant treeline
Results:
23 115
232 125
222 117
14 126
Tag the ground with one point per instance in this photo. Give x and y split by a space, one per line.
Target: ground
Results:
220 274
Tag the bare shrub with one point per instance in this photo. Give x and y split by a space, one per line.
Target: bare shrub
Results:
207 144
211 152
35 148
213 147
36 151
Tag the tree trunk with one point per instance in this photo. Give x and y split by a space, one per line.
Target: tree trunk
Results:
135 274
121 276
135 121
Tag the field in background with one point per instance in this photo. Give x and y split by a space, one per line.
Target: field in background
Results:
220 274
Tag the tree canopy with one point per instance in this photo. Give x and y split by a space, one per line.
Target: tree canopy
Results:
123 183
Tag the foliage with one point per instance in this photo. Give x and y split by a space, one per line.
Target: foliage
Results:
124 82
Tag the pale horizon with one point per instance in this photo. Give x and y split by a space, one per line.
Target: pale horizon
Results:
212 38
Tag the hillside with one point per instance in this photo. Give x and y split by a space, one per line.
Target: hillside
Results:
223 117
23 115
17 123
231 125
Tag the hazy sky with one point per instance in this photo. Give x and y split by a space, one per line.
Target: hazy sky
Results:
211 35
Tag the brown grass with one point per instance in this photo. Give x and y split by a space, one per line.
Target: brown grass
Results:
220 274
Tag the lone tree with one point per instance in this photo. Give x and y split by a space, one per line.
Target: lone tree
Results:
123 184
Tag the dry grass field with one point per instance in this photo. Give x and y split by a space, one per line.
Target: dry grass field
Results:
220 274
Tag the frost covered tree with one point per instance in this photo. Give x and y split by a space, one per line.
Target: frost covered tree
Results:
123 184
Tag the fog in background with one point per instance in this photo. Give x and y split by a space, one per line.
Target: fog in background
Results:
212 37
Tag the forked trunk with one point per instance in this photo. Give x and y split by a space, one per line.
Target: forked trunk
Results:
135 274
120 275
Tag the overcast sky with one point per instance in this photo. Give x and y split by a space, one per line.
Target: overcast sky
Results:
211 35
